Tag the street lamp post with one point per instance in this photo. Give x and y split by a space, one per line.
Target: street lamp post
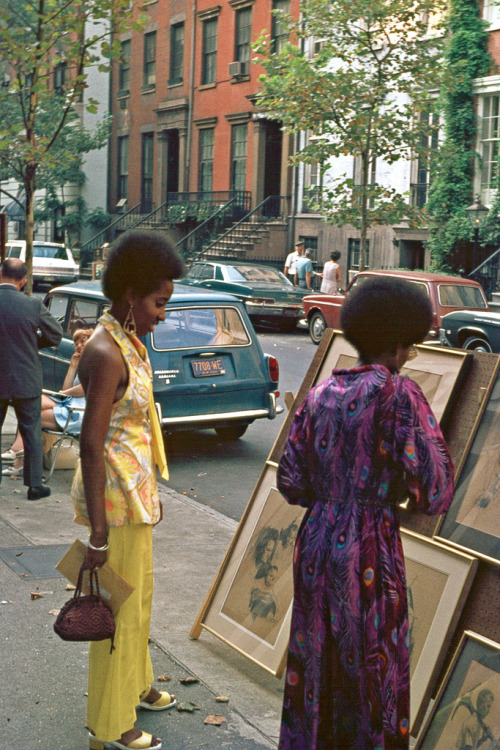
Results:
476 213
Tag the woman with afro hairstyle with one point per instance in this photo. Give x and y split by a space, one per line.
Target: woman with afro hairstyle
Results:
363 441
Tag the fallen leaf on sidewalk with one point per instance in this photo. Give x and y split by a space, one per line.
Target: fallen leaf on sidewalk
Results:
35 595
163 678
70 587
188 707
222 699
215 719
188 680
54 611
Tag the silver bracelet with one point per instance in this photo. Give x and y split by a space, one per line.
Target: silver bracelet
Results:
97 549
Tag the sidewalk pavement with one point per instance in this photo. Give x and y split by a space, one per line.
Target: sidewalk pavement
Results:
42 693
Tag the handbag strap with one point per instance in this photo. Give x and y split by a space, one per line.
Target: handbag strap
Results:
93 581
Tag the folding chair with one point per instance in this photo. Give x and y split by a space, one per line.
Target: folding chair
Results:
59 434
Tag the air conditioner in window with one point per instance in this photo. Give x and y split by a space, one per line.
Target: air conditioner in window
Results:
238 69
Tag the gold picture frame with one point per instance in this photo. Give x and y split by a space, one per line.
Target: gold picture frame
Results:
250 602
437 370
438 581
472 522
243 609
473 675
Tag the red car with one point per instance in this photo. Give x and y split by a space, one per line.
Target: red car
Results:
447 293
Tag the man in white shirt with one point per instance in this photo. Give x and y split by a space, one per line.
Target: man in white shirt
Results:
291 260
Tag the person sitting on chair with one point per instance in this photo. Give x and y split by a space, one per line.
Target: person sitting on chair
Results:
56 408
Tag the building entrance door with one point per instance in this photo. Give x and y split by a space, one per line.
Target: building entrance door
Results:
172 161
272 166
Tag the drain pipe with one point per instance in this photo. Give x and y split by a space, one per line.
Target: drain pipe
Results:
190 106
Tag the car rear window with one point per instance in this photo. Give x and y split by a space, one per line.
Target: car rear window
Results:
251 273
14 252
50 251
361 279
185 328
461 295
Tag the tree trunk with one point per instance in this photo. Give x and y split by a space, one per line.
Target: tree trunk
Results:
364 209
29 188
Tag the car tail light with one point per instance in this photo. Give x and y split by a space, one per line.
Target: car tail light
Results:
435 325
274 369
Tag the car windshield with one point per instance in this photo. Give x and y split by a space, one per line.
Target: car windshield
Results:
256 274
50 251
185 328
461 295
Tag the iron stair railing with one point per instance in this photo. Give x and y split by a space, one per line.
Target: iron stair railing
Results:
486 274
272 208
212 227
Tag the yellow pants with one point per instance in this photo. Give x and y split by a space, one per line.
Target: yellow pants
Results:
117 680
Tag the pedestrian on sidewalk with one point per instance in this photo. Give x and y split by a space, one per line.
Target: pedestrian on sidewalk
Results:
25 327
304 271
56 408
363 441
331 277
291 261
114 489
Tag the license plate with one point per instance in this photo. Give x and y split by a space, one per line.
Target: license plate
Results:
203 368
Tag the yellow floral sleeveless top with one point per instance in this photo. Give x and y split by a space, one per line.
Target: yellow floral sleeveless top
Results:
131 493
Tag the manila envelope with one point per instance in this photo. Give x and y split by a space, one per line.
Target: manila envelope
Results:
113 588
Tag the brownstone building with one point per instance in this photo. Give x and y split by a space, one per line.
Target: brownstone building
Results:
185 122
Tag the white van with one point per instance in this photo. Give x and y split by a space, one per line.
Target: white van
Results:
53 263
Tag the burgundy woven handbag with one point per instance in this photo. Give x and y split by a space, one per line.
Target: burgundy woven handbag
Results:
86 618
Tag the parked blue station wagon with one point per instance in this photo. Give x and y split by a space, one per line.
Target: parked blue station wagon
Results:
209 370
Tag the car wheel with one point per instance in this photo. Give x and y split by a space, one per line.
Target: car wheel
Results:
231 433
477 343
317 327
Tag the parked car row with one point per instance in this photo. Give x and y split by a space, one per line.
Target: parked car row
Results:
479 331
268 295
209 370
53 262
446 293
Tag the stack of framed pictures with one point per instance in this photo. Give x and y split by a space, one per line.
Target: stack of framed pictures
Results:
250 602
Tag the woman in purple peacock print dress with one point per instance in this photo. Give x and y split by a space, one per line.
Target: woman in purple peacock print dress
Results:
362 442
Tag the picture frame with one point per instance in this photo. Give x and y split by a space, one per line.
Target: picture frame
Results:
252 613
438 371
464 711
250 602
438 582
472 522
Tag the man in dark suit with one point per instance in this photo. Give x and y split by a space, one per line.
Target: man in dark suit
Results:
25 326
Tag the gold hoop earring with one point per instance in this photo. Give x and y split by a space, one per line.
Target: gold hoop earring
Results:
129 324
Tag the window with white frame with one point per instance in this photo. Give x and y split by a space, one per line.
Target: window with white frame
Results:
491 13
149 72
279 31
206 160
124 70
123 167
243 30
238 157
422 166
489 141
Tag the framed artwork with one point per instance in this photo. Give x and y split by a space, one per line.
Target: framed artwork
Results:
249 605
466 712
438 371
473 520
438 581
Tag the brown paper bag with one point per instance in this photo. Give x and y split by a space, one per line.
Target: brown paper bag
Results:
113 588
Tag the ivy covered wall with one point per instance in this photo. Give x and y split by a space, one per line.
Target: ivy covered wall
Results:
466 58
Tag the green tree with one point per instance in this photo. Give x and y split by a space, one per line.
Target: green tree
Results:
37 39
466 54
365 94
